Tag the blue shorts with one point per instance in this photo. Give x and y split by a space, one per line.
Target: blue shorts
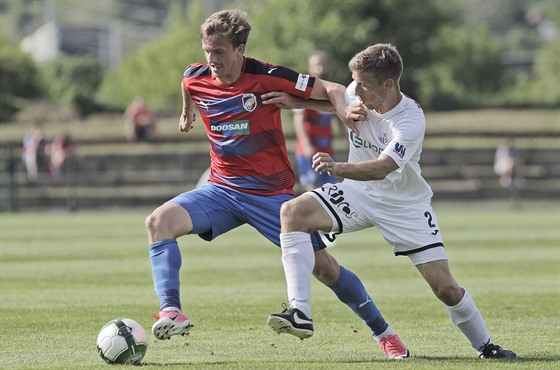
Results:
308 176
216 209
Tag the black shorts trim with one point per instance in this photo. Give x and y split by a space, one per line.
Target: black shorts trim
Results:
326 202
426 247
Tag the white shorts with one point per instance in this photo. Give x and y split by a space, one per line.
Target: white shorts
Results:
412 229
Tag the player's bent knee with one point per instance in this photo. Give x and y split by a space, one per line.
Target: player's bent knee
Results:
150 223
288 211
155 224
448 292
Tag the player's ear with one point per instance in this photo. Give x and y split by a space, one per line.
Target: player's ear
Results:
242 48
388 84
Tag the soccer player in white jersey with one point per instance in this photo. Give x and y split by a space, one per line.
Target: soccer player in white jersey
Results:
383 188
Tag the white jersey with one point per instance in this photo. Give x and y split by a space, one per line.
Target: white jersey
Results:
399 134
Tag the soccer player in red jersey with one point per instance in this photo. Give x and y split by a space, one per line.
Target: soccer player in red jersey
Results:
250 174
314 133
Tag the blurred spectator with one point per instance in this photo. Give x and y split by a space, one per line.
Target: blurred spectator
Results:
33 152
508 166
313 133
60 151
507 163
139 122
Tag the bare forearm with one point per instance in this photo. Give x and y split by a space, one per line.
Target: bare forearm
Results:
319 105
361 171
188 103
332 91
375 169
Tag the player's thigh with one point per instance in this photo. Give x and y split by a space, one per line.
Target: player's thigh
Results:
346 207
263 213
169 221
213 209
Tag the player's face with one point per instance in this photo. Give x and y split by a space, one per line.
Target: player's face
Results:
370 91
224 60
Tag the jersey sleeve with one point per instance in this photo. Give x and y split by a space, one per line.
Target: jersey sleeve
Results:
350 94
407 139
279 78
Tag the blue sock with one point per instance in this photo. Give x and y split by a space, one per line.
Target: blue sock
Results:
350 290
166 261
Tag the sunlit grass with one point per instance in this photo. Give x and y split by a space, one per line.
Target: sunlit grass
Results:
62 276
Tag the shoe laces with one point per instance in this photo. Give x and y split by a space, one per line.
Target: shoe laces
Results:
490 349
393 346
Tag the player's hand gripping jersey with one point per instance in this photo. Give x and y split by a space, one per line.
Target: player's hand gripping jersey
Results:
247 144
399 134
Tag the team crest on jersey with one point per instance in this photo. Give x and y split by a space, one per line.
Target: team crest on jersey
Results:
249 102
383 138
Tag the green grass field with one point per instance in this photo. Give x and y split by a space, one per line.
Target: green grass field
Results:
63 276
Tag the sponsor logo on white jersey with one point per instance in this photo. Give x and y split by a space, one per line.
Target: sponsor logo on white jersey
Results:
358 142
399 149
336 198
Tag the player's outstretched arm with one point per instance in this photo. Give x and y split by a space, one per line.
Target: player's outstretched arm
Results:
187 115
287 101
374 169
335 93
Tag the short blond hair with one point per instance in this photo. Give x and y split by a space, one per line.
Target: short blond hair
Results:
383 61
229 23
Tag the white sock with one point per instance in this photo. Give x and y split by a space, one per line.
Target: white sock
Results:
298 259
468 319
385 334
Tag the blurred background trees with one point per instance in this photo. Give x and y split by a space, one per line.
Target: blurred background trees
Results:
457 54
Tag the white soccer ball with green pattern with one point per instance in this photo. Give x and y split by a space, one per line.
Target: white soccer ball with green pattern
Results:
122 341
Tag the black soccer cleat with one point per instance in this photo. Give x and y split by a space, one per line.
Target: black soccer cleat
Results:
493 351
291 321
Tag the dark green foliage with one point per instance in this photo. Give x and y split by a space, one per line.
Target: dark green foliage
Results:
154 71
73 82
19 79
341 29
541 88
457 54
23 17
466 72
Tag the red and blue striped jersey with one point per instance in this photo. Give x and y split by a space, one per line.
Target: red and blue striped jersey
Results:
317 126
247 145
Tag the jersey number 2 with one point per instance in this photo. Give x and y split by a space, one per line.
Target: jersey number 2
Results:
428 215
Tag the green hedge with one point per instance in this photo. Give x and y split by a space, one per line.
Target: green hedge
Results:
73 82
19 81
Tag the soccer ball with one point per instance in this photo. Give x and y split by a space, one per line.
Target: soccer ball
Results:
122 341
